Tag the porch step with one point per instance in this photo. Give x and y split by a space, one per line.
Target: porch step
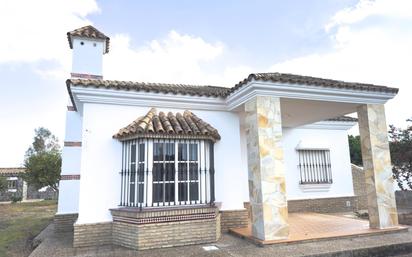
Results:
393 250
388 243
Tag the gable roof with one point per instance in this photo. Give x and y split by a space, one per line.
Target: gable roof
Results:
181 89
88 32
312 81
223 92
12 171
155 124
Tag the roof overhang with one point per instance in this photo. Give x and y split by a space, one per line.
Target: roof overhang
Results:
80 95
305 92
333 125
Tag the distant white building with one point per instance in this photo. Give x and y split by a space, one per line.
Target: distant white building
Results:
149 165
18 189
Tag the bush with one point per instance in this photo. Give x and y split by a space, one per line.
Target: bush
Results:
401 154
16 198
3 184
355 150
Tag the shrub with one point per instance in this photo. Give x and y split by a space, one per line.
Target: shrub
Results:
16 198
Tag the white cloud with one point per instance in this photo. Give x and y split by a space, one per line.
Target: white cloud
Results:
375 52
36 35
34 31
33 38
177 58
398 9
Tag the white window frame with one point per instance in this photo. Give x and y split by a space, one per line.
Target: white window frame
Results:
12 189
315 167
203 178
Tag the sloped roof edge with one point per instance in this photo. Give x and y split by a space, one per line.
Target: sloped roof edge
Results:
155 124
313 81
12 170
88 32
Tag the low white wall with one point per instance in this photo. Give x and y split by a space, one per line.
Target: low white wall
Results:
101 159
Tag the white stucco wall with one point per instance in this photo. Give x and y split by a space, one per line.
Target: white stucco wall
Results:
68 197
335 139
337 142
100 155
87 58
71 160
69 189
101 159
73 126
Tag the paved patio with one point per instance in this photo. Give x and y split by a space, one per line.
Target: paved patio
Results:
382 244
313 226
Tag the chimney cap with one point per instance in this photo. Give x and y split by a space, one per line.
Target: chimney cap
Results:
88 32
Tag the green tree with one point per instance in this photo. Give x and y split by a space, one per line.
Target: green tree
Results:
43 160
355 150
401 153
3 184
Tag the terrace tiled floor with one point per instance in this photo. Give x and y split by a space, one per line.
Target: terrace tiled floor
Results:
314 226
388 243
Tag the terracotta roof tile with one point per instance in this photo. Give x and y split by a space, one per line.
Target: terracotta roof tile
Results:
155 124
313 81
14 170
181 89
88 32
223 92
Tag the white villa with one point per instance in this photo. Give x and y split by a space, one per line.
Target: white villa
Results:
149 165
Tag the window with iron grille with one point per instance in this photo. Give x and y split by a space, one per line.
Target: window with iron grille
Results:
315 166
12 184
167 172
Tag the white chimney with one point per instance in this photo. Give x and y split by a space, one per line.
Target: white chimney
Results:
88 46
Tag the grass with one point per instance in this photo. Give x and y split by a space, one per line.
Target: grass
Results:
20 223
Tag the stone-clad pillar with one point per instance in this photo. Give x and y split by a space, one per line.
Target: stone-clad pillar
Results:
267 190
377 165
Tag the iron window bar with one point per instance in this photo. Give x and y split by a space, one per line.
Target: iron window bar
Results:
167 172
315 166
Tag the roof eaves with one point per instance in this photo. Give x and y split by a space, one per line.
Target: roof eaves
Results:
176 89
313 81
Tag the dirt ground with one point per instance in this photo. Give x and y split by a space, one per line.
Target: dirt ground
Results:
20 223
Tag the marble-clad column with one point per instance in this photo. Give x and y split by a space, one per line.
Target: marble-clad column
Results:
267 190
377 165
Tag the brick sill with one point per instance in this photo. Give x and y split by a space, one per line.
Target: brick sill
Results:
162 208
136 213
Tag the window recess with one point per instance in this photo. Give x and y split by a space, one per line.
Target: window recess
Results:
167 172
315 166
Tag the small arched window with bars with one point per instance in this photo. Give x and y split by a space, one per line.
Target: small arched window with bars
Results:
315 166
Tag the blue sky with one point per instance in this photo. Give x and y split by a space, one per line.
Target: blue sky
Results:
198 42
284 28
